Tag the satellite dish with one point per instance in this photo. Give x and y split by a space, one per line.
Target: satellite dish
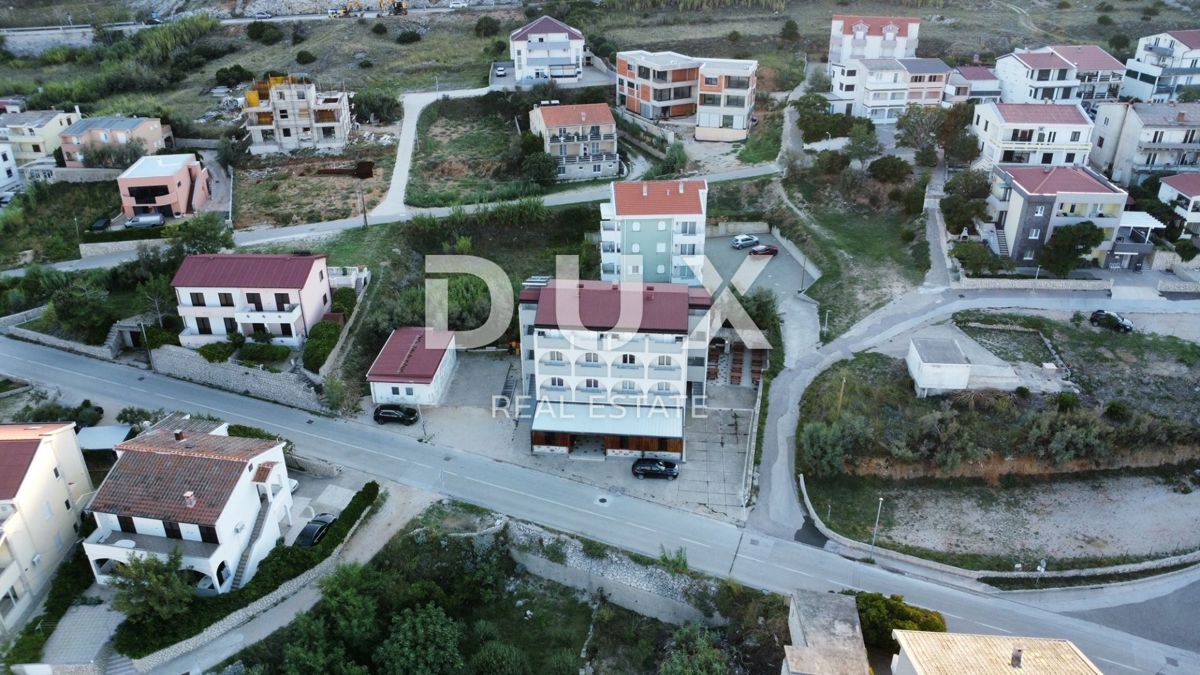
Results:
125 543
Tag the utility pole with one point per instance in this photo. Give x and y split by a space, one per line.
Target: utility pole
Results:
841 392
875 532
362 204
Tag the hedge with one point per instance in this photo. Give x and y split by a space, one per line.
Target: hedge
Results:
216 352
263 353
70 582
321 340
282 564
127 234
344 300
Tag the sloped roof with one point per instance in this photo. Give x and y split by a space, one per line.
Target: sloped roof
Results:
1185 183
1189 38
1046 180
178 421
545 24
411 354
1040 60
876 24
658 197
1041 113
263 471
1168 114
976 73
18 446
29 118
965 654
924 65
1088 57
244 270
575 115
596 305
105 123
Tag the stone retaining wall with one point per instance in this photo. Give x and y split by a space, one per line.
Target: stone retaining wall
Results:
286 388
333 361
1178 287
983 283
65 174
22 317
108 247
106 352
735 227
201 143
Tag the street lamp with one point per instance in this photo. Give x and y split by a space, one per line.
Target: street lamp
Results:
875 532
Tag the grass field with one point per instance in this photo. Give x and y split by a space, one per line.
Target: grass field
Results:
765 138
49 217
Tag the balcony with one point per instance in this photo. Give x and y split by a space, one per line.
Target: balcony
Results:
548 367
628 371
250 314
585 369
1157 49
1167 145
1192 166
588 159
664 347
582 138
551 342
664 372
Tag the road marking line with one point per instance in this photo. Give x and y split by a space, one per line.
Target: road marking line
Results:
743 555
541 499
693 541
793 571
423 465
1115 663
640 527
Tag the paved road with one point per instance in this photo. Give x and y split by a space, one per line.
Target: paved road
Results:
714 547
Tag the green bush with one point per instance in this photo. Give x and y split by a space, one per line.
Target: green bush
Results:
157 337
880 615
128 234
233 75
1022 392
890 169
261 353
321 340
344 300
1186 249
264 32
216 352
1066 401
304 57
1104 20
594 549
831 162
379 28
486 26
408 37
1118 411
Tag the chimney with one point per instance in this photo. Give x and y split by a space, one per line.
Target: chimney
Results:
1017 654
645 190
178 434
1180 116
680 187
189 499
583 116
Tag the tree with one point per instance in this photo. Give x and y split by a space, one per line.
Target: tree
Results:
963 148
831 162
499 658
955 120
819 82
919 125
977 258
790 31
486 26
1189 94
890 169
880 615
374 105
1064 252
540 168
305 57
864 144
229 151
233 75
734 37
113 157
822 449
157 297
423 641
311 651
204 233
150 589
135 416
81 307
349 596
694 652
1119 42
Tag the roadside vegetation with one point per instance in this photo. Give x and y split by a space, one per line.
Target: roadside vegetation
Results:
48 219
765 138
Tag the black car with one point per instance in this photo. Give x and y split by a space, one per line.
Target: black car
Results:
100 225
655 468
1111 321
390 412
315 530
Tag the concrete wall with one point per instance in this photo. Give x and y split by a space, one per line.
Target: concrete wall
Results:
201 143
107 352
731 228
107 247
286 388
973 283
22 317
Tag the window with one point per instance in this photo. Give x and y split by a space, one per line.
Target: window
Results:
226 299
1075 136
664 361
635 248
285 329
627 385
321 275
556 382
256 300
287 133
711 81
208 534
408 391
324 298
57 473
395 391
283 114
37 148
203 326
197 299
230 326
636 226
663 387
172 530
628 360
67 503
1039 211
661 247
726 121
1070 158
1028 255
661 269
1035 233
595 168
126 524
1100 142
591 383
735 101
554 356
282 300
635 269
591 357
710 99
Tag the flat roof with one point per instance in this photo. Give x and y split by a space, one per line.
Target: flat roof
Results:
1051 180
965 654
663 59
103 438
602 418
830 640
412 354
939 350
157 166
924 65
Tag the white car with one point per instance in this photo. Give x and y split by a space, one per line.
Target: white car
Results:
744 240
458 4
501 72
263 15
293 485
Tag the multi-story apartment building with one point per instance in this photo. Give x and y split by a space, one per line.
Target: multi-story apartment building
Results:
975 84
287 113
1162 65
883 88
34 134
653 232
112 132
1134 140
283 295
855 38
1062 73
42 481
581 138
1031 133
1027 204
546 49
665 85
609 367
1182 193
173 185
223 502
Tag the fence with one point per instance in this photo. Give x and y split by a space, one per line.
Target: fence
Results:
727 229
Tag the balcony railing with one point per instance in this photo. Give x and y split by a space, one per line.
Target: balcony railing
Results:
588 159
582 138
1167 145
251 314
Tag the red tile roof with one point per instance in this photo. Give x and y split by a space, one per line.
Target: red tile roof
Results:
876 24
545 24
659 197
976 73
155 472
263 471
1189 38
576 115
18 446
1088 57
596 305
411 354
1185 183
1039 180
1041 113
1041 60
245 270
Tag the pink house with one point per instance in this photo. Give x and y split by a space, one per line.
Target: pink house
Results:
113 132
173 185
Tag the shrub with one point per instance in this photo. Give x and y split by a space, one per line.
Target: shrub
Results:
1186 249
1022 392
486 26
880 615
344 300
831 162
890 169
1064 5
673 561
379 28
555 552
264 32
216 352
1118 411
1105 7
1066 401
304 57
499 658
233 75
408 37
321 341
594 549
366 63
261 353
926 157
1104 20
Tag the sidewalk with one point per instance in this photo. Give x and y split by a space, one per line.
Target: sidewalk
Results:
402 505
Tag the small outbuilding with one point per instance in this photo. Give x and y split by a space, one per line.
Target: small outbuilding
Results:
414 367
103 438
937 366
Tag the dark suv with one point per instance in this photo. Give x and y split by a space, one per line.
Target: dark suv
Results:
1111 321
655 468
390 412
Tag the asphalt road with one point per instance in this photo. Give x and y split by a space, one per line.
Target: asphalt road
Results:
713 547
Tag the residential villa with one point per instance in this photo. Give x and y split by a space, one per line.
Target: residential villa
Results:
719 93
281 295
43 483
974 84
581 138
173 185
1061 73
610 367
1027 204
113 132
414 367
930 653
883 88
1162 65
286 113
1134 140
855 38
10 174
34 134
653 232
13 103
223 502
1182 193
1053 134
546 49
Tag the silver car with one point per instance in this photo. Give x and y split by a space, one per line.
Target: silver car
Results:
744 240
145 220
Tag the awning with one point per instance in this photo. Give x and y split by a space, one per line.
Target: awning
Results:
103 438
602 418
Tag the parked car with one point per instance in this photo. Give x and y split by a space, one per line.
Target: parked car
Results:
293 485
100 225
1111 321
744 241
458 4
315 530
501 72
263 15
390 412
145 220
764 249
655 468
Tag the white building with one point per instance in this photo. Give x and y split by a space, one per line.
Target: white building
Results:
546 49
286 113
653 231
1060 73
10 175
415 367
1182 193
881 89
581 138
975 84
930 653
937 366
854 38
1162 65
719 93
1134 140
223 502
609 367
283 295
42 481
1031 133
